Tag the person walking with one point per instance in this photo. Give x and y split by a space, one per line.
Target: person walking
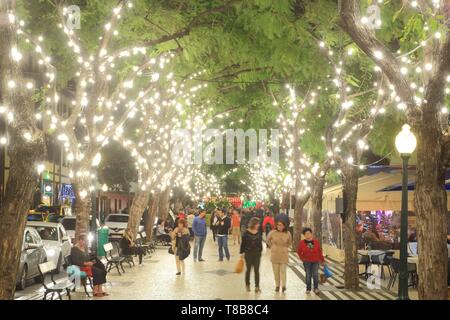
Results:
222 225
268 223
310 254
279 241
236 227
180 245
199 229
245 218
212 224
190 219
251 248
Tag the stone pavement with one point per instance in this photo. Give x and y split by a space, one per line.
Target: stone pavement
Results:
212 279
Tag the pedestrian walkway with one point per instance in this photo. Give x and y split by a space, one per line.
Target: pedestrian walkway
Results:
212 279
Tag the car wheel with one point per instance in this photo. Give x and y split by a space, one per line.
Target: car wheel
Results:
23 278
58 265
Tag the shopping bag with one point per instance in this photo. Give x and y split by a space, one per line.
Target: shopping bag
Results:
239 266
322 278
327 272
170 250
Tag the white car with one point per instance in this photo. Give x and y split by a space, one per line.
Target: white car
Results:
56 241
117 222
70 222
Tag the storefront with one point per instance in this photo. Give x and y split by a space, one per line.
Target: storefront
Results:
378 209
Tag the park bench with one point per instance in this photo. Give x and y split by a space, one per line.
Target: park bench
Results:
84 278
53 287
141 243
113 260
127 258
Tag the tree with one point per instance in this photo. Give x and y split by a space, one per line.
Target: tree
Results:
117 169
26 148
420 94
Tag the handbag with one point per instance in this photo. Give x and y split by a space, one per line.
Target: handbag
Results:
87 270
171 250
239 266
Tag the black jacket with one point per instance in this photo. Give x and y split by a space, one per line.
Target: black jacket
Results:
251 243
225 228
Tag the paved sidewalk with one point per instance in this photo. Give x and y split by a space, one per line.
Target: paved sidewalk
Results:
212 279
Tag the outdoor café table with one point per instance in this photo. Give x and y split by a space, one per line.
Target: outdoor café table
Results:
370 253
414 260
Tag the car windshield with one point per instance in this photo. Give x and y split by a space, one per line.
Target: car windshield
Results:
69 224
117 218
48 233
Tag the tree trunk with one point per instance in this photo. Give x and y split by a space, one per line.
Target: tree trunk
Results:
430 202
140 201
20 185
82 206
153 207
163 206
350 192
24 156
300 202
316 208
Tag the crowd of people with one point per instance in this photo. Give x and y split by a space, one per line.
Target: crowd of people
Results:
248 228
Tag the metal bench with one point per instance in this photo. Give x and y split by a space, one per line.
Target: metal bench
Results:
113 260
54 287
140 242
128 258
83 280
150 242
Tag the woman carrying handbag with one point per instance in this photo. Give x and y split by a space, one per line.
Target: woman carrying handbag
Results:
180 245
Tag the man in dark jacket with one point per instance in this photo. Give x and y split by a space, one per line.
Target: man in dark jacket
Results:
223 226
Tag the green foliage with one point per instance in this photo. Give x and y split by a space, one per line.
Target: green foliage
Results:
117 169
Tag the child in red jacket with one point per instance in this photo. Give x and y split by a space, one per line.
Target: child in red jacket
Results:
310 253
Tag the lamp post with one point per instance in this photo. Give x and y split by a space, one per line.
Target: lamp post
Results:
405 143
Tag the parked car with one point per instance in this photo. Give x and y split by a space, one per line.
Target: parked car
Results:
70 222
117 222
33 253
56 241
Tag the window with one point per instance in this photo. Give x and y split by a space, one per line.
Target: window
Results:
69 224
48 233
28 237
117 218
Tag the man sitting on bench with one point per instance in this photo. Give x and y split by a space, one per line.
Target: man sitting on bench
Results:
93 267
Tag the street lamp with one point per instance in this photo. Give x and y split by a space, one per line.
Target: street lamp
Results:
405 143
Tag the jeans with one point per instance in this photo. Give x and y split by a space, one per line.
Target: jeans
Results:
312 269
223 246
252 259
199 242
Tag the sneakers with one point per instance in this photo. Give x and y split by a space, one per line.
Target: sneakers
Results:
178 273
316 291
284 289
257 290
308 291
201 260
277 289
247 287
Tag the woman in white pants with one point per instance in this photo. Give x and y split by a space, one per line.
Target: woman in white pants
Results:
279 241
